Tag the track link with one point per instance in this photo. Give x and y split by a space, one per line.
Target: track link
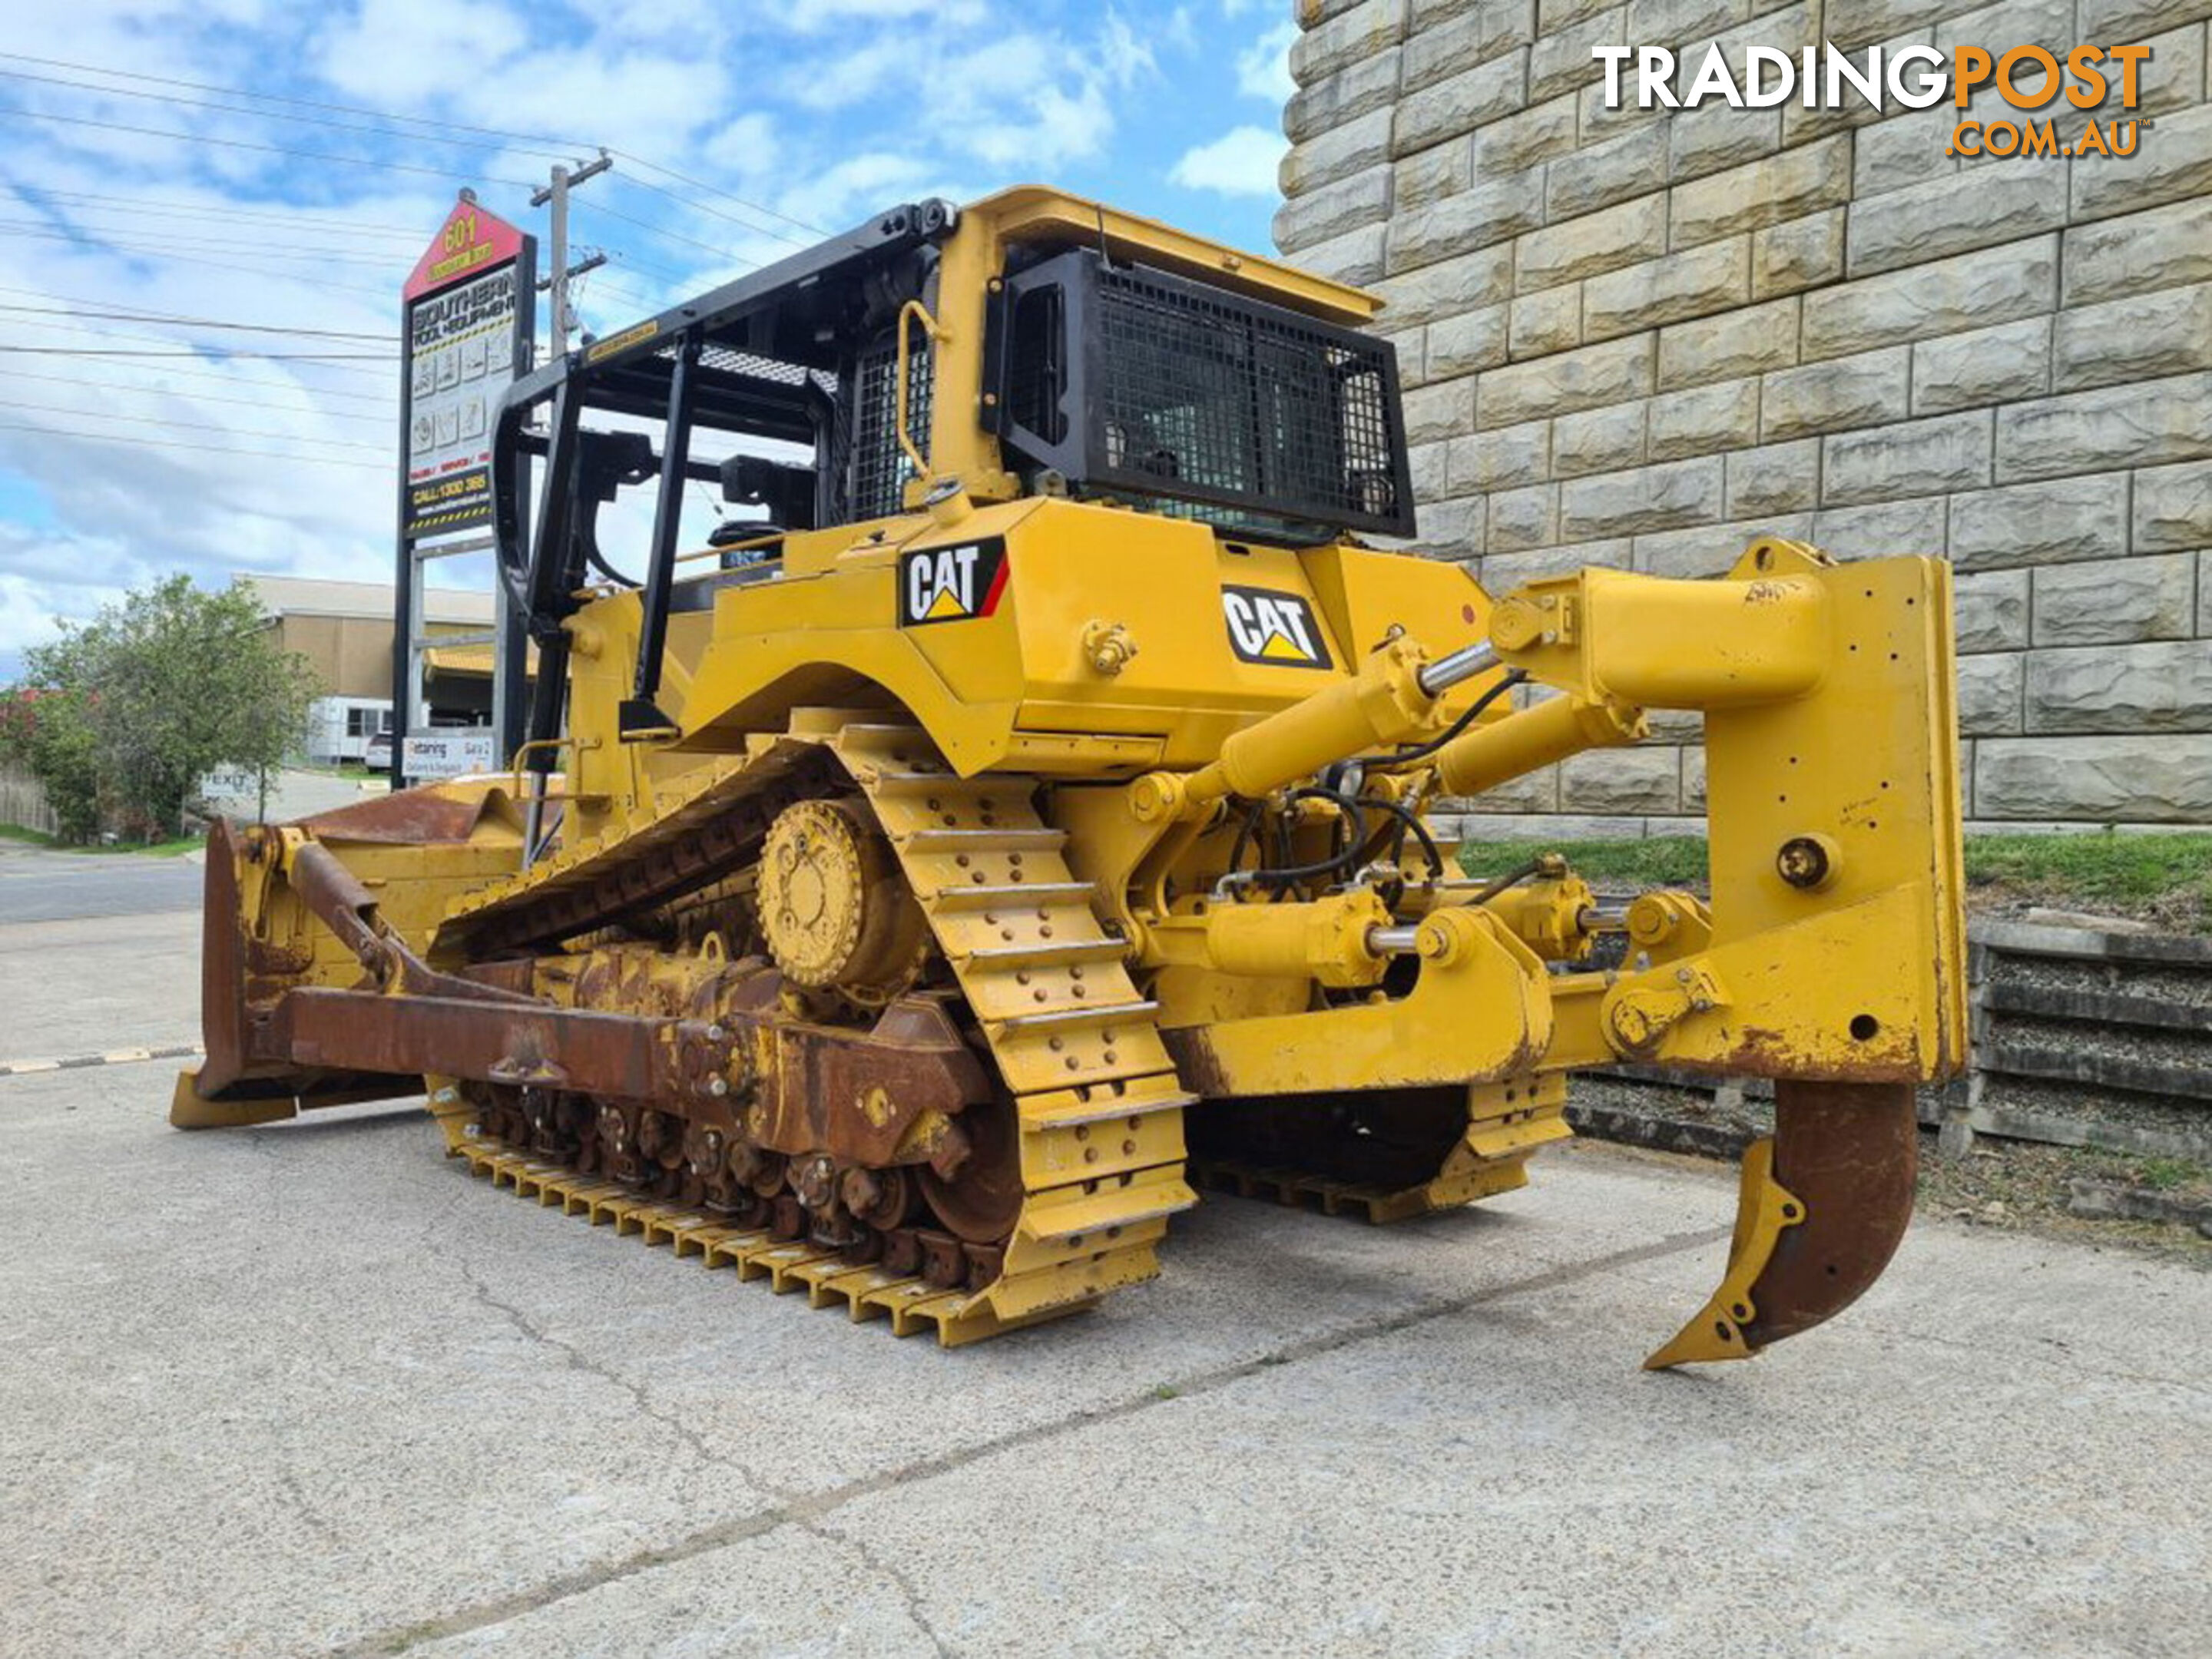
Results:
912 1306
1098 1103
1505 1123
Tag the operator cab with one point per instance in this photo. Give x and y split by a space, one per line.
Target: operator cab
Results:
1033 344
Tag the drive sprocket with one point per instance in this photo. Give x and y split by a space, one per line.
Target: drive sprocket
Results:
835 907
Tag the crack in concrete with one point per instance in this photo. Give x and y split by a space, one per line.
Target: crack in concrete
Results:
2085 1363
288 1481
709 1457
576 1359
909 1595
262 1151
806 1513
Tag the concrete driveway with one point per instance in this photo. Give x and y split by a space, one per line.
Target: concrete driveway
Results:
311 1388
295 791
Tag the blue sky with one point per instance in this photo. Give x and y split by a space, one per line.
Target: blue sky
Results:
171 166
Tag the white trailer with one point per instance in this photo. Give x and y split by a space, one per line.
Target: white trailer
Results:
340 728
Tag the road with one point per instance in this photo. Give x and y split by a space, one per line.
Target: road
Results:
310 1388
40 885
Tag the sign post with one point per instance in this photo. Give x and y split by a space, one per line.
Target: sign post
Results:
469 314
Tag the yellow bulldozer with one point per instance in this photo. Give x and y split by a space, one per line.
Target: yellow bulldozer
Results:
1015 821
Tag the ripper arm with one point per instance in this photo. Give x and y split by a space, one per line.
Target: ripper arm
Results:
1829 958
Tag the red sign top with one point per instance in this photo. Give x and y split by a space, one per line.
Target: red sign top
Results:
470 242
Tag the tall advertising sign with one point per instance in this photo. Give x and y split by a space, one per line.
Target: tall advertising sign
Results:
468 322
470 309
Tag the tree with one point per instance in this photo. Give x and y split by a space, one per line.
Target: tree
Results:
157 690
49 732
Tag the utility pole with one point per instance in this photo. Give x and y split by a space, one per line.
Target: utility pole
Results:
557 193
513 660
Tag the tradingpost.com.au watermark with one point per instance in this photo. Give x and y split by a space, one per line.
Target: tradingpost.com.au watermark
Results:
2025 78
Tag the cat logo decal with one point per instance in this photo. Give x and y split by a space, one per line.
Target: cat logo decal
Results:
1277 629
951 584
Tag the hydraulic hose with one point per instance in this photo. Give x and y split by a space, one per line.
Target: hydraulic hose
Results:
1406 757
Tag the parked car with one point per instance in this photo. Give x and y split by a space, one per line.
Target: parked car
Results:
377 756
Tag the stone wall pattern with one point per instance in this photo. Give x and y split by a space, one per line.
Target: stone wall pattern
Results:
1638 339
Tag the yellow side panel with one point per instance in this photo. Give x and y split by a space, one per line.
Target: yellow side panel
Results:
829 634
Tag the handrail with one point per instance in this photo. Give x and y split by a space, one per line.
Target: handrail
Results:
534 815
929 326
515 765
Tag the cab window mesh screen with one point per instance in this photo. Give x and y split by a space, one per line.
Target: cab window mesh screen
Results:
880 467
1200 396
1039 365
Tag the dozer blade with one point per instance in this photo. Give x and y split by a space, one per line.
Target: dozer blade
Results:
1824 1202
222 967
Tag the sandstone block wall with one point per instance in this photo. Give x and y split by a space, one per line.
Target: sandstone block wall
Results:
1640 338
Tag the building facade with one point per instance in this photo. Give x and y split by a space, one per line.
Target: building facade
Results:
345 630
1640 337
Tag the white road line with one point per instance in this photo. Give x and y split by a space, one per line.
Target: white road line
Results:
120 1057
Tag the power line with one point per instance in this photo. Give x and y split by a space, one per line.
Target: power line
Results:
155 420
671 235
173 443
43 332
93 236
716 213
632 261
388 116
159 237
267 356
597 287
87 329
90 235
383 398
303 103
244 143
351 160
193 322
161 208
138 314
83 385
233 109
143 251
103 224
716 189
460 143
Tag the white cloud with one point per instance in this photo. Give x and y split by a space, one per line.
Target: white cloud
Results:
745 146
823 110
1064 97
648 103
1263 69
1243 161
812 15
1024 101
407 54
1050 126
1121 54
859 184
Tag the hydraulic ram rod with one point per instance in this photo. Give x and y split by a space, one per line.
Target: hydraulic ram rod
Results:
1391 698
1464 664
